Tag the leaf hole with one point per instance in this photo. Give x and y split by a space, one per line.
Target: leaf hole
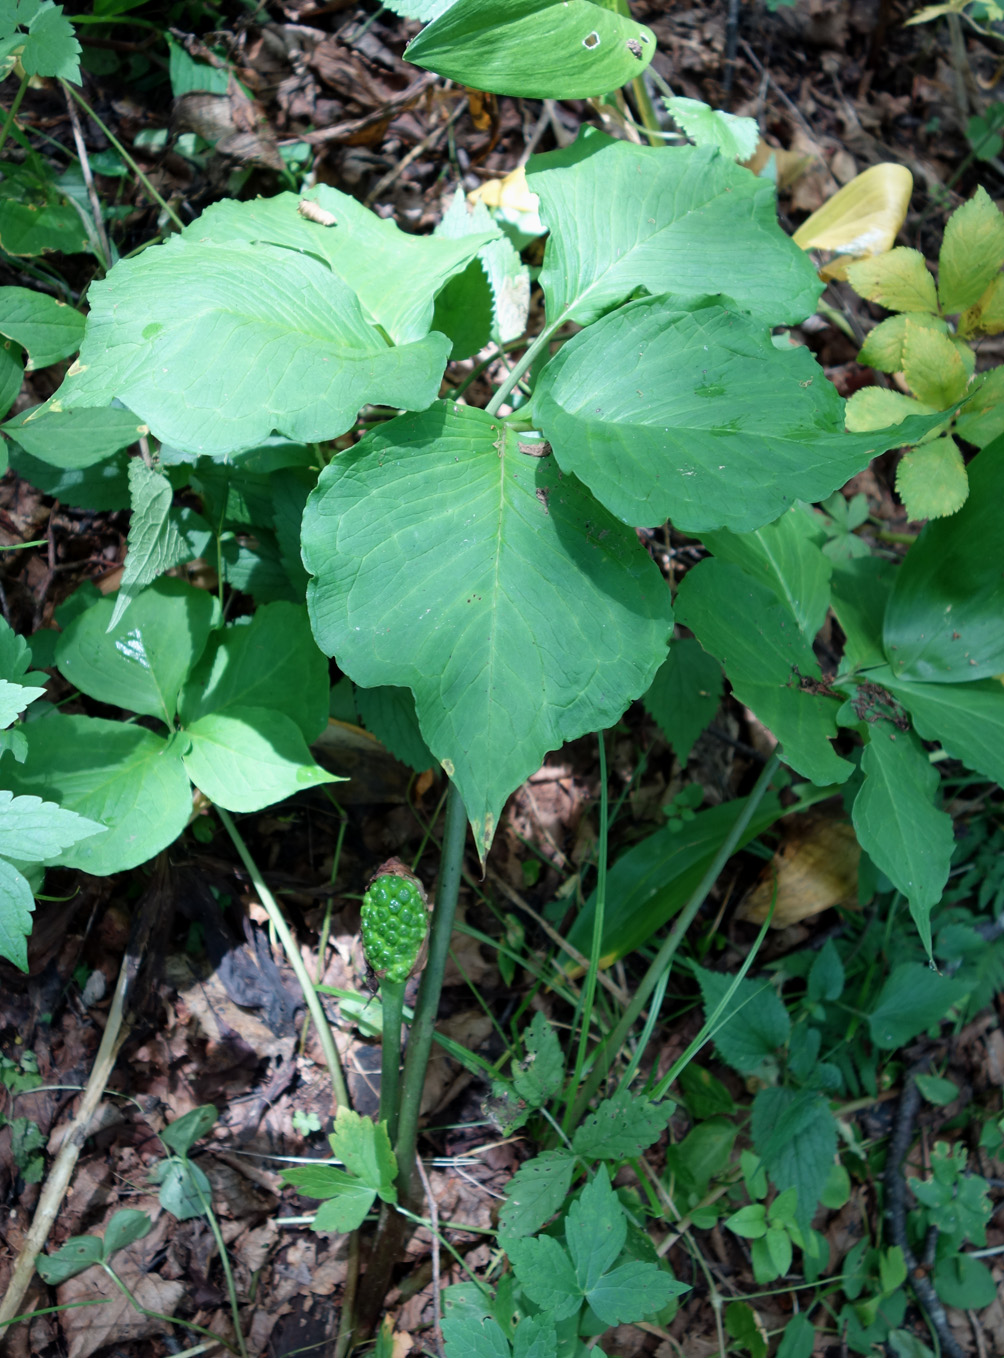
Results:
591 40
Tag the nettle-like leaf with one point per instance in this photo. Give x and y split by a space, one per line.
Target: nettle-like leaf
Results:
535 1192
535 49
624 217
621 1127
214 346
753 1026
516 609
795 1134
697 416
370 1170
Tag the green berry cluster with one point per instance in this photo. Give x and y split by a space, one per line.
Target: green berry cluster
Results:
394 924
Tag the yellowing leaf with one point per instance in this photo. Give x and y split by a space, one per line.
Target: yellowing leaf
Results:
899 280
511 193
932 481
933 367
986 317
883 349
864 216
878 408
972 252
815 867
981 419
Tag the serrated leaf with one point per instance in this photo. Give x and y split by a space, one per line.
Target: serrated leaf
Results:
535 49
33 831
17 904
48 330
595 1230
883 349
347 1211
470 1336
116 775
966 719
200 340
141 662
931 480
539 1077
985 317
448 562
247 758
754 1025
51 48
757 639
912 999
735 137
546 1275
878 408
899 280
622 1127
271 661
633 1291
74 439
863 217
942 622
981 418
795 1134
897 823
14 698
933 367
697 416
364 1147
972 252
155 543
535 1192
684 695
623 217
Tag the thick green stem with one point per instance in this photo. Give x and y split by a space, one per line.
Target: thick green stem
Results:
310 996
392 1002
394 1228
606 1053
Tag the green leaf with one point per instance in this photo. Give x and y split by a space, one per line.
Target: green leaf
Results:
47 329
744 1325
654 879
684 695
859 592
624 217
767 659
965 1283
155 542
697 416
534 49
883 348
972 252
79 1252
347 1211
364 1147
181 1135
33 831
750 1221
912 999
539 1076
735 137
202 342
754 1025
943 620
250 757
785 555
390 714
395 274
897 823
936 1090
51 48
101 486
141 662
633 1291
124 1229
535 1192
114 774
981 418
546 1274
185 1190
74 439
826 975
799 1338
966 719
595 1230
322 1181
898 280
795 1134
448 562
11 374
271 661
470 1337
622 1127
14 698
17 904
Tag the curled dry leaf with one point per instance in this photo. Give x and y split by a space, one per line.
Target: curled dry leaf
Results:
815 867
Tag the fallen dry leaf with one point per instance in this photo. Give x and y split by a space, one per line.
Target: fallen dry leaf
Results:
815 867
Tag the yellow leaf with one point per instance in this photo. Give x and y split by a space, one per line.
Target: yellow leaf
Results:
815 867
878 408
986 317
512 192
899 281
933 366
932 480
864 216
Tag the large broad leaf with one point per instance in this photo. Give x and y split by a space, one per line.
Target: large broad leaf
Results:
897 823
271 661
249 757
697 416
769 663
395 275
535 49
684 221
47 329
74 439
943 622
215 346
118 775
517 610
967 719
141 662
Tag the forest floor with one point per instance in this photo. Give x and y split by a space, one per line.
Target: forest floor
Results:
836 86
